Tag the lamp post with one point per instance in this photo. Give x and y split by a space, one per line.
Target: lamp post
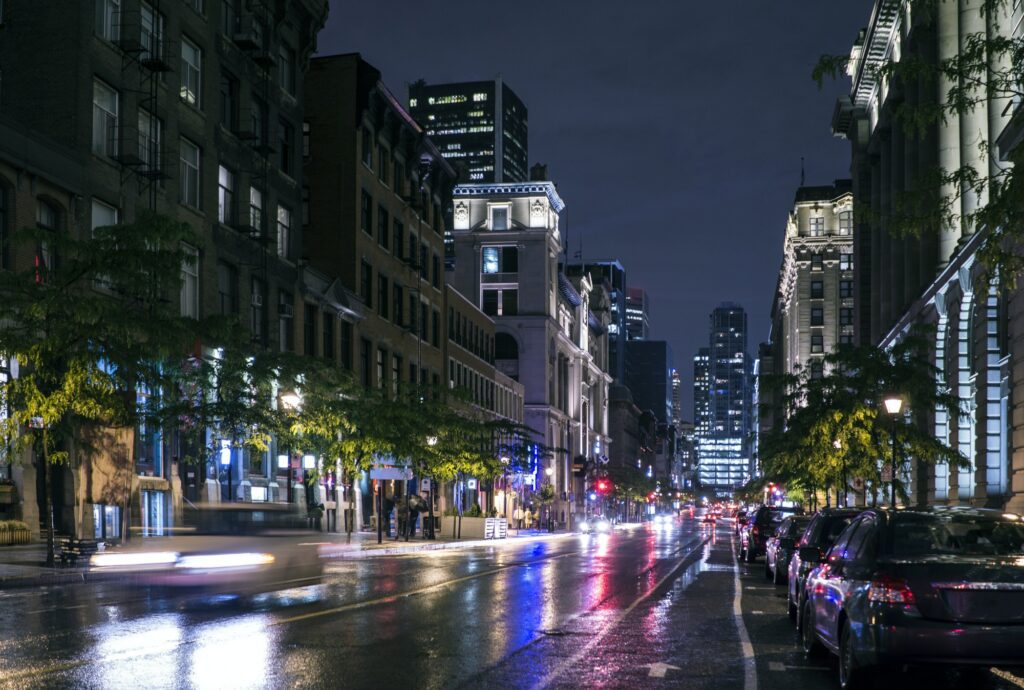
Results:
431 441
893 405
550 471
505 460
292 402
838 445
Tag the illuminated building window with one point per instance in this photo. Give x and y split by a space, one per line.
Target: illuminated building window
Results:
846 288
817 289
816 226
846 223
817 343
500 260
816 261
817 316
498 217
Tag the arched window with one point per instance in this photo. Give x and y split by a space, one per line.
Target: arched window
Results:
47 217
505 347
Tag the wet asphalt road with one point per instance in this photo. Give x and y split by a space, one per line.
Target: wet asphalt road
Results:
570 612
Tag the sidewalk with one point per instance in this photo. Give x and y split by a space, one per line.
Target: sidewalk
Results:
22 566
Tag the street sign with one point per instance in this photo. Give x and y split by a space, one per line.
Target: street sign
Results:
858 483
470 483
391 473
424 485
887 473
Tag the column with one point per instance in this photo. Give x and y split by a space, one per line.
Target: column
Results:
948 22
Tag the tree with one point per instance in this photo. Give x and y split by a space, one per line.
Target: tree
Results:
836 427
89 324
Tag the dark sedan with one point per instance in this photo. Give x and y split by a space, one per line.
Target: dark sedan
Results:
938 585
825 526
782 545
760 525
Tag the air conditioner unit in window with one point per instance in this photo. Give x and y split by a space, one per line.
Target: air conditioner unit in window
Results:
285 310
257 300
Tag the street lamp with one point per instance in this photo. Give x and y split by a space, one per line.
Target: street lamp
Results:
431 441
894 406
292 402
838 445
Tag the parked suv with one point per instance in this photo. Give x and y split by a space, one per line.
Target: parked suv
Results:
820 534
761 525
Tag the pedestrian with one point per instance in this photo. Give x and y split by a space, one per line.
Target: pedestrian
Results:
528 518
517 517
403 520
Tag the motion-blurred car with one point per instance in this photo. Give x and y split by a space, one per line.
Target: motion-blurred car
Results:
662 519
596 525
235 548
942 585
781 545
760 525
825 526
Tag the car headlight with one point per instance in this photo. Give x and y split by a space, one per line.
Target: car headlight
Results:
208 561
604 526
585 527
133 559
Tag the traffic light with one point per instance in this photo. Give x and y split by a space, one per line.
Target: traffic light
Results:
603 486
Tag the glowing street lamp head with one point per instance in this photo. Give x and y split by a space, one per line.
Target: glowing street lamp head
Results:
893 404
291 400
549 471
431 440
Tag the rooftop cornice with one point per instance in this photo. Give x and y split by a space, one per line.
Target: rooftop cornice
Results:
513 188
875 50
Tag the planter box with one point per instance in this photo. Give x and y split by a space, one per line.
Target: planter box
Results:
13 537
474 527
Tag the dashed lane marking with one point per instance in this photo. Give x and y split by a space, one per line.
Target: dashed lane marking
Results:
778 666
749 663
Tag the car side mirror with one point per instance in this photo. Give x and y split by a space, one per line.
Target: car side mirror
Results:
810 554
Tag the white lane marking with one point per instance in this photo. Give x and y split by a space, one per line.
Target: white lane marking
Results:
1006 675
659 669
749 664
757 613
613 623
778 666
763 589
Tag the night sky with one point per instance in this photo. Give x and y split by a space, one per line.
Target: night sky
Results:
673 129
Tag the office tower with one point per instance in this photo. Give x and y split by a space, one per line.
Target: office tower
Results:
637 314
479 124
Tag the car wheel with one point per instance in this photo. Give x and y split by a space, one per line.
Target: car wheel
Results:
769 574
778 576
750 555
850 677
808 639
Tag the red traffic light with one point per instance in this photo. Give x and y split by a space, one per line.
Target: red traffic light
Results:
603 486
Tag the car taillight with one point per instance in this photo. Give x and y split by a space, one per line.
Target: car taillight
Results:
885 589
755 531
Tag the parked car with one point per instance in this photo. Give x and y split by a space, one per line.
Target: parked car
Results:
760 525
941 585
741 520
820 534
781 545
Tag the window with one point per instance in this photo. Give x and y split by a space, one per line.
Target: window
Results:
366 213
197 5
846 339
227 288
284 233
305 140
846 223
285 325
435 274
500 260
501 302
396 373
424 321
108 18
150 136
366 284
399 239
346 345
816 226
188 181
191 72
817 369
399 178
816 261
152 33
817 289
257 121
846 262
817 343
257 312
382 296
499 218
382 358
48 218
225 196
435 333
846 316
305 205
846 288
397 303
190 283
383 156
309 313
367 148
105 103
327 327
230 16
256 210
287 136
103 215
286 68
366 376
424 268
413 310
228 102
817 316
383 227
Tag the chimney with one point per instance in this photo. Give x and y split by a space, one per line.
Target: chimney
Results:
539 172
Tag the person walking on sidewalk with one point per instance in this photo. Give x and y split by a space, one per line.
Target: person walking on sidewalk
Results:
517 517
528 518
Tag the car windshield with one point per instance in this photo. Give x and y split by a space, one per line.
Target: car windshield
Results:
957 534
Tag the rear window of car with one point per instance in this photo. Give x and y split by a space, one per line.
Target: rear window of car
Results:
972 535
